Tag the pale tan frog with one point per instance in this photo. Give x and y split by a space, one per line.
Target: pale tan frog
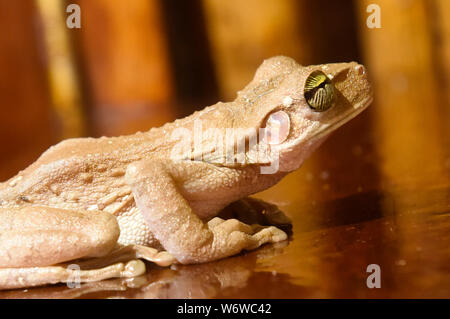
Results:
156 195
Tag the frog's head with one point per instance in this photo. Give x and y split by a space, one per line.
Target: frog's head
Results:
304 105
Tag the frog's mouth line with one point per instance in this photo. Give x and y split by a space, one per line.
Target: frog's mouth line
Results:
350 115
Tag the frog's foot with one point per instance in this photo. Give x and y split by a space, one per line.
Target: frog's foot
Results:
126 253
121 263
108 288
71 274
256 211
247 236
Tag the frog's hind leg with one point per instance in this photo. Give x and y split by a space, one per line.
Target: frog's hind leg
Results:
37 236
33 239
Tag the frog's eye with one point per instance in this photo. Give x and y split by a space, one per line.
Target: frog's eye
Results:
319 91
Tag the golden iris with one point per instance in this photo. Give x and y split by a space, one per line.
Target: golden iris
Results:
319 91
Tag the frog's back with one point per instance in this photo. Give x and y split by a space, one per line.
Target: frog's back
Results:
85 174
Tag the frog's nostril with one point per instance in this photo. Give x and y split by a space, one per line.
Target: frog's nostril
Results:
360 69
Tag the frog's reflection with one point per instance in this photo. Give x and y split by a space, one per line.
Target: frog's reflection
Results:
190 281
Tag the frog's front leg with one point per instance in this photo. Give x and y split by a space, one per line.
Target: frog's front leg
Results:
169 216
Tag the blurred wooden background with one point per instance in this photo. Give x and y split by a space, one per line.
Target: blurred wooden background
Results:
139 63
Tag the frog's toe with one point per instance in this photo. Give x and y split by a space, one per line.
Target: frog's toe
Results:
269 234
